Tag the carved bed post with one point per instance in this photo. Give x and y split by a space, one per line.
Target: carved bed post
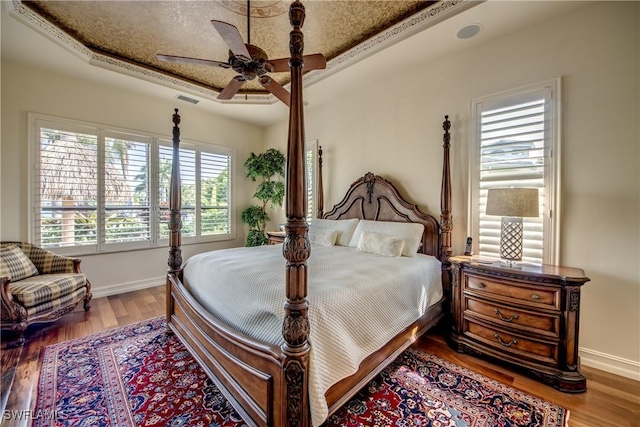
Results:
175 220
296 248
446 222
320 198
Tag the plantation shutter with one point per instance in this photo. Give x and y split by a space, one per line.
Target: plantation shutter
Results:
188 188
163 177
214 193
514 150
205 189
67 186
126 190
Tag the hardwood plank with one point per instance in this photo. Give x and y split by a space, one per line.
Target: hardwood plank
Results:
117 306
610 400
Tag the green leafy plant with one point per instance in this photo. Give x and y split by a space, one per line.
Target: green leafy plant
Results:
265 167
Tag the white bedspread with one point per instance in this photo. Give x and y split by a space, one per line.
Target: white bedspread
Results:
358 302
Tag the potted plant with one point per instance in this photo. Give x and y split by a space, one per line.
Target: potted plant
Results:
265 167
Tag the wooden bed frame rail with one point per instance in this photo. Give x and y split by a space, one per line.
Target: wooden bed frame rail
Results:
267 384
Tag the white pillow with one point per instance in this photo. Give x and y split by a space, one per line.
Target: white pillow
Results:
381 244
411 232
344 227
323 236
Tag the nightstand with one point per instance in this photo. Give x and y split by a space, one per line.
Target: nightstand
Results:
275 237
527 316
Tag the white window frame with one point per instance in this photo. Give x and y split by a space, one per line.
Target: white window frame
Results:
38 121
212 149
551 210
313 147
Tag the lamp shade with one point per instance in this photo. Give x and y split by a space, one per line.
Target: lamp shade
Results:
514 202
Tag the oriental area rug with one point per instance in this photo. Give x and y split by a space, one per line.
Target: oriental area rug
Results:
139 375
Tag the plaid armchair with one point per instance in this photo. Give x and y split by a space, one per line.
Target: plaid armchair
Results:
38 286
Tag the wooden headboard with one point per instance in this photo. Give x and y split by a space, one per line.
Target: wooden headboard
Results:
374 198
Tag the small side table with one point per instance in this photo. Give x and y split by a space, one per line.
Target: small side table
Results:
526 316
275 237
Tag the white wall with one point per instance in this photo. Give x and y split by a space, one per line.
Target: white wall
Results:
25 89
392 127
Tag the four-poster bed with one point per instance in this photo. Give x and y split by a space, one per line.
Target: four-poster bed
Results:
268 382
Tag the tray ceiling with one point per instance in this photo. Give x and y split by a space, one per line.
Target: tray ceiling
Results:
127 35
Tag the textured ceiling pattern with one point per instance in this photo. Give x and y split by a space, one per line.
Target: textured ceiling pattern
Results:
133 32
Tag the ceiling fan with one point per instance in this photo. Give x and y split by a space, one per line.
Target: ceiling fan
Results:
249 62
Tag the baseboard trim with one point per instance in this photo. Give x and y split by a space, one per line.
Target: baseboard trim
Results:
609 363
120 288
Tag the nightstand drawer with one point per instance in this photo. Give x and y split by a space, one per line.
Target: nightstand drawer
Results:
539 351
537 323
531 296
526 315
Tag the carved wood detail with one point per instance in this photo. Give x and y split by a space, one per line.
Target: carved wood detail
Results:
296 248
574 299
295 376
369 180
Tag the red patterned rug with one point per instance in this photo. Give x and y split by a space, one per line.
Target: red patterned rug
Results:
140 376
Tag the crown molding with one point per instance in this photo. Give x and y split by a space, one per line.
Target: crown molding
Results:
402 30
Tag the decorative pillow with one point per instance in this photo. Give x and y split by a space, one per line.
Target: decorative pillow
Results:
323 236
344 227
381 244
14 263
411 232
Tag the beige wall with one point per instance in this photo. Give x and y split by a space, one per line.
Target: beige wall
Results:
25 89
392 127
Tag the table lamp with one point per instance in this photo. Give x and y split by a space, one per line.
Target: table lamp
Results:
512 204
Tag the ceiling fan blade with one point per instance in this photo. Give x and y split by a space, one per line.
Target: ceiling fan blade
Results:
316 61
232 37
232 88
186 60
279 65
276 88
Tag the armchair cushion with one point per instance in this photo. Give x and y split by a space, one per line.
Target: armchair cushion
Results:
47 287
57 304
14 263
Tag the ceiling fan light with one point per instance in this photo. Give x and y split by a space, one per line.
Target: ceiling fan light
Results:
468 31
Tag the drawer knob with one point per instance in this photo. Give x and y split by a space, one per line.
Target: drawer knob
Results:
480 285
506 344
535 297
506 319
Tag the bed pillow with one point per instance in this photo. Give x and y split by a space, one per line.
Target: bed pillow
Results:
411 232
323 236
381 244
344 227
14 263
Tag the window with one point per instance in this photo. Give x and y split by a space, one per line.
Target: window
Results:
98 190
515 144
205 188
311 158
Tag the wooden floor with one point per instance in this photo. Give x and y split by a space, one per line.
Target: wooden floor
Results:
610 401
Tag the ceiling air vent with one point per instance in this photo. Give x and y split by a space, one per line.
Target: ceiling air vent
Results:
187 99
